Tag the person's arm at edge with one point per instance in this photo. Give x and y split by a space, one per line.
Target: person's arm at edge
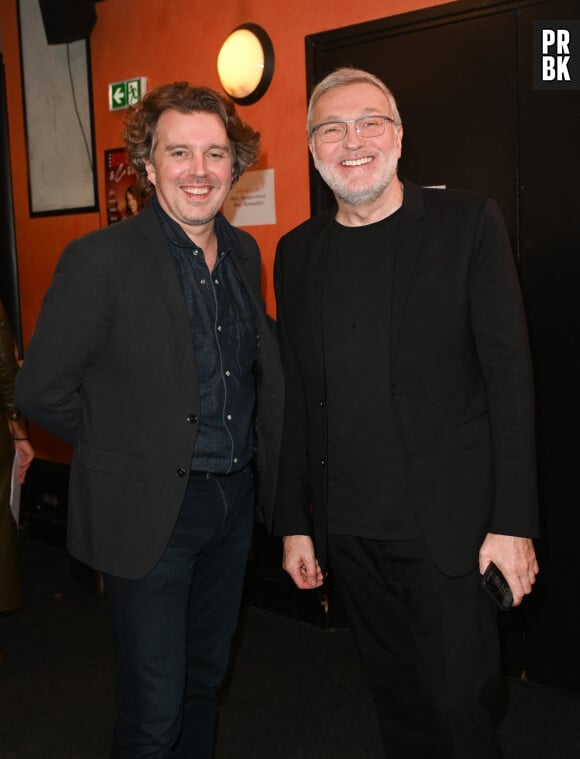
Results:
299 556
509 542
71 326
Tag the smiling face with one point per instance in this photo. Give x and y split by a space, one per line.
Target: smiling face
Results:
191 167
358 170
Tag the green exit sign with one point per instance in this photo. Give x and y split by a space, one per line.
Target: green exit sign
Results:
124 94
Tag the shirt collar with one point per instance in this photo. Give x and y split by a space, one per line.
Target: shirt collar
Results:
223 229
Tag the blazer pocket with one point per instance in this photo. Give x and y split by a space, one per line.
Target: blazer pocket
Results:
118 463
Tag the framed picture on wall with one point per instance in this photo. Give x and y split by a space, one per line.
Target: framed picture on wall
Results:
57 99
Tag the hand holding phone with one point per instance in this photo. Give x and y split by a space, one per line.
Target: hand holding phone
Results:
496 585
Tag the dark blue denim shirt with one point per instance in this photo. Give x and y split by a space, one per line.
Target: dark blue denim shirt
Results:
224 345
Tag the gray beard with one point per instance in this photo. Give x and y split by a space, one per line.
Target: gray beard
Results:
356 198
360 197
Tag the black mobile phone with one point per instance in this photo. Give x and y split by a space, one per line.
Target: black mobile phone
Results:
496 585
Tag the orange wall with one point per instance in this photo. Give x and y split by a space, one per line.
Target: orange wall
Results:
164 43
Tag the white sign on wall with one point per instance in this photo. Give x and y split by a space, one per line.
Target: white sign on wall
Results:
252 200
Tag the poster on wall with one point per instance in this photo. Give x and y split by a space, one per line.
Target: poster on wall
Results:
123 196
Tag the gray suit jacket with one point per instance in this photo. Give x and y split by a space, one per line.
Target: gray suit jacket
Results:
111 370
461 376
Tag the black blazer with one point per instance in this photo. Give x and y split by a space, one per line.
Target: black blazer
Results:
461 377
111 370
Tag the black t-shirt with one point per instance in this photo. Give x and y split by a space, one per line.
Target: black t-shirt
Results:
366 473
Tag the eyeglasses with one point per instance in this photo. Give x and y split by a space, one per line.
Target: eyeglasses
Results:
367 126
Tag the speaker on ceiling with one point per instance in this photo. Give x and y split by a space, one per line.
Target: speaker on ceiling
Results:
67 20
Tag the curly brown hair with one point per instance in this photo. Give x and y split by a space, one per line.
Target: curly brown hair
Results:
141 125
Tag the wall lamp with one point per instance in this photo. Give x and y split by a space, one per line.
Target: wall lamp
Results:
246 64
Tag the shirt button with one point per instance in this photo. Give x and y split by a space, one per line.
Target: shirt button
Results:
181 472
195 252
191 419
236 460
202 281
322 462
219 329
216 281
229 417
228 372
321 404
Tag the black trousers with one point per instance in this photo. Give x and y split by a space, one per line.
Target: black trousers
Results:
429 644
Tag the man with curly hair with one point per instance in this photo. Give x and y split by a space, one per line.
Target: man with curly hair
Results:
153 356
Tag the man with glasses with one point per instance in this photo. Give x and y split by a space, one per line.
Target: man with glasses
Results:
408 461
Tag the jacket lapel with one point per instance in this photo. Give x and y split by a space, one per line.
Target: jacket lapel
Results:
410 236
319 255
156 249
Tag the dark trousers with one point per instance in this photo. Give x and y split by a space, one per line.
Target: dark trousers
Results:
173 628
429 644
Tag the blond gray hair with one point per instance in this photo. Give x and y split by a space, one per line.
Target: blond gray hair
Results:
340 78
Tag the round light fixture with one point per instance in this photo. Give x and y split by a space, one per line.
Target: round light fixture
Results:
246 64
